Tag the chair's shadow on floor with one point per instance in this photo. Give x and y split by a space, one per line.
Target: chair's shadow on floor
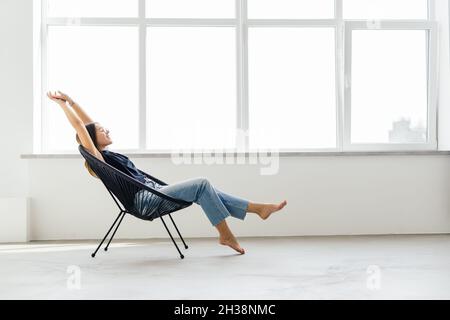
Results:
156 260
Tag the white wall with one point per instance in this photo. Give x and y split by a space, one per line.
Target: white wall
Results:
16 95
326 194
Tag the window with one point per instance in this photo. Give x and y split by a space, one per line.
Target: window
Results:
314 75
191 88
92 8
385 9
291 86
389 86
291 9
190 8
98 66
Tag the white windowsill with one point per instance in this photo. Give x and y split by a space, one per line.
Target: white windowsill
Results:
281 154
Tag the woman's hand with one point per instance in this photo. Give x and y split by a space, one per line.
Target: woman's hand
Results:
58 99
74 119
62 96
65 97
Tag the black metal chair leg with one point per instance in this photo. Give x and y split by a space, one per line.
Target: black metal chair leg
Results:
185 246
95 252
115 230
181 255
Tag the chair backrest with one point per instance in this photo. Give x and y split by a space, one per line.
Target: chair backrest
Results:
125 188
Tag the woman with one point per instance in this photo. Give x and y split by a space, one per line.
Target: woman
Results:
216 204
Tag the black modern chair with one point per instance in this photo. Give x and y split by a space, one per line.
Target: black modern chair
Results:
148 205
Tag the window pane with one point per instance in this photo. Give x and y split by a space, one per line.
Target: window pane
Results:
190 9
290 9
191 87
97 67
292 88
93 8
385 9
389 86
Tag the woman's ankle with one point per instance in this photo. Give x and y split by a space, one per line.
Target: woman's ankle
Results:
254 207
223 229
226 237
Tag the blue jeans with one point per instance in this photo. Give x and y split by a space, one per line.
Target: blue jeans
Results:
216 204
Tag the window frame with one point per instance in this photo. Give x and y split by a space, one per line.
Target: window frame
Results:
428 26
241 23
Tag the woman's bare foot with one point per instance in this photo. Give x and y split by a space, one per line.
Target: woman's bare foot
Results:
267 209
231 242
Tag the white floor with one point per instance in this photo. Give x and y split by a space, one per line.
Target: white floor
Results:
350 267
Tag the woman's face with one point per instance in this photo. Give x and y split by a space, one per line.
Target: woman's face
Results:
103 138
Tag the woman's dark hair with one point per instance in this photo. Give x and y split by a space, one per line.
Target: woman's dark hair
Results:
90 127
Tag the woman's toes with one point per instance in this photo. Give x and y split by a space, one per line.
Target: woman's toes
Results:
271 208
232 243
282 204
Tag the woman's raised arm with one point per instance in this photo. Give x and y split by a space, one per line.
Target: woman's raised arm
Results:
76 107
78 125
73 118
